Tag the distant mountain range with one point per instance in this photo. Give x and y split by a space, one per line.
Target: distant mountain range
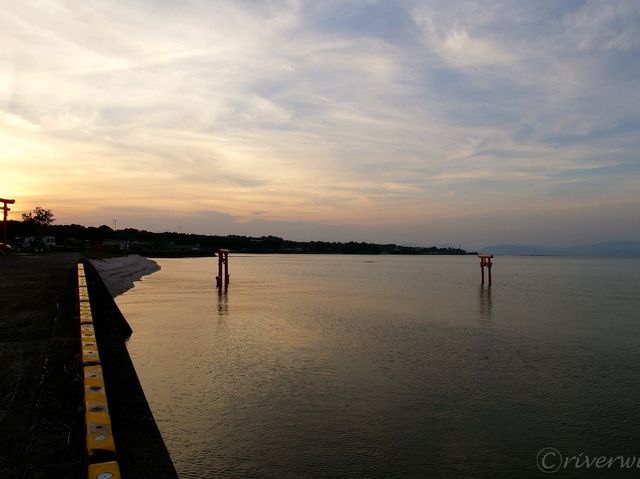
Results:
607 248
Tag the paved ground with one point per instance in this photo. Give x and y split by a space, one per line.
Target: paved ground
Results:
41 422
41 415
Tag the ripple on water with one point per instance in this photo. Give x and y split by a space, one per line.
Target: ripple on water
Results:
338 367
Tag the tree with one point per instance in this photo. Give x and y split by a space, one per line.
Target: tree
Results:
39 216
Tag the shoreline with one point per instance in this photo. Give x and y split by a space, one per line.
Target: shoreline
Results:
141 450
120 273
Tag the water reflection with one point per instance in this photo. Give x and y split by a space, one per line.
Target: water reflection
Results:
223 302
328 367
486 305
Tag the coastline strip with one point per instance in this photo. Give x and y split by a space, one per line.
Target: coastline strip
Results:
112 391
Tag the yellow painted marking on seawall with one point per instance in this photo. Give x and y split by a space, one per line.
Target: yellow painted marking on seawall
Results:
88 328
104 470
95 394
96 413
90 356
88 335
99 438
93 376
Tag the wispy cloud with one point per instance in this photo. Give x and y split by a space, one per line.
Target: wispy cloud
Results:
367 112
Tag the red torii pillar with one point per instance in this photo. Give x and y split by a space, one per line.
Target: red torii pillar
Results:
6 210
223 259
485 260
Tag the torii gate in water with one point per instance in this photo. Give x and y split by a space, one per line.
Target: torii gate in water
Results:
223 259
485 260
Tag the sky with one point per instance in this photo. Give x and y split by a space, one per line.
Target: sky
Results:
409 122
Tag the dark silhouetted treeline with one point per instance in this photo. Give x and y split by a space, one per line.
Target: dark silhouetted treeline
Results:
78 237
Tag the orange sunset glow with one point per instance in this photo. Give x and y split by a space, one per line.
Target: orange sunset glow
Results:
294 119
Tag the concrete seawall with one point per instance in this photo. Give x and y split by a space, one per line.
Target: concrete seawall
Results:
141 452
41 389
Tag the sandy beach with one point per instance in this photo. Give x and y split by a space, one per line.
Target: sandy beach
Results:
119 274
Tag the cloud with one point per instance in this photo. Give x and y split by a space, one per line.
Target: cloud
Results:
319 113
462 50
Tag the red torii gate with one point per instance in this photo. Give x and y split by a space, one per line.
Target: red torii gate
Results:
223 259
485 260
6 210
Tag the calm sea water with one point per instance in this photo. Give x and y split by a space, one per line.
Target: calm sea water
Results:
389 366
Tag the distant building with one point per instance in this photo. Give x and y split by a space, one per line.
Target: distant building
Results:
114 244
37 244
